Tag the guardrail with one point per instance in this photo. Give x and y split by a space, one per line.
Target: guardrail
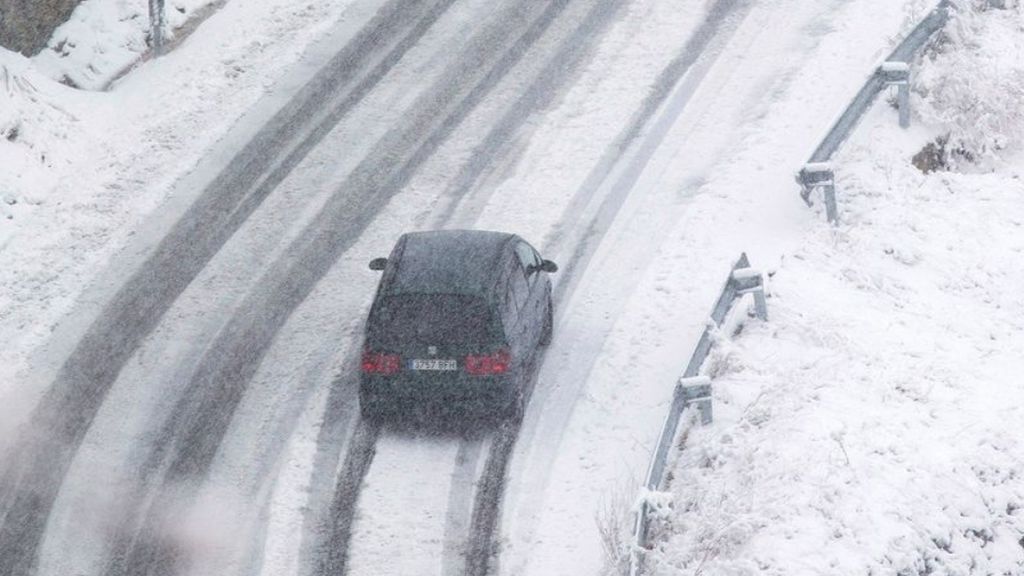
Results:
894 71
694 389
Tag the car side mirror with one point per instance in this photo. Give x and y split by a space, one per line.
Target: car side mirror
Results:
548 266
378 264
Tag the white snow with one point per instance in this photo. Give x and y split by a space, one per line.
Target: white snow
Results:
818 167
721 183
98 172
973 87
103 39
38 138
872 426
890 66
869 426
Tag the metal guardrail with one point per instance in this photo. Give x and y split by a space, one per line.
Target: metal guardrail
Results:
894 71
694 389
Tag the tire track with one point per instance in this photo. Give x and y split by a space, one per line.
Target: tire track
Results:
459 515
604 174
542 90
481 548
484 549
333 559
200 420
49 441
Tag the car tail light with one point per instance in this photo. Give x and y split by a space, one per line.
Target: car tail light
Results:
488 364
380 362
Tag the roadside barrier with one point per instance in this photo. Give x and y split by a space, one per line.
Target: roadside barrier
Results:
693 389
894 71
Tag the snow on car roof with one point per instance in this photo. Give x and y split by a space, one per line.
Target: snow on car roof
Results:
449 262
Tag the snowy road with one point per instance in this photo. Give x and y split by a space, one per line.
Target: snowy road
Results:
207 422
74 399
207 357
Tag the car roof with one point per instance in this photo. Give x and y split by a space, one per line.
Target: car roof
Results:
450 262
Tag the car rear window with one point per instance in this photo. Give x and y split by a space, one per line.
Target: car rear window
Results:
432 319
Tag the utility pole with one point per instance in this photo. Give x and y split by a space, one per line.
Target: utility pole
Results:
156 26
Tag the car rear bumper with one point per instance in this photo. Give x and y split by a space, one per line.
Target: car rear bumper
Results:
454 395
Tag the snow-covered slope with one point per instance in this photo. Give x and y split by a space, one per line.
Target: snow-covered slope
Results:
38 138
873 425
87 169
103 39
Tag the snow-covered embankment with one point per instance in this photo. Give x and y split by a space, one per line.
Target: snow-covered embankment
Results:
873 426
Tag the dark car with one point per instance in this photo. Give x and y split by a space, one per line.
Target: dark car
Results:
456 322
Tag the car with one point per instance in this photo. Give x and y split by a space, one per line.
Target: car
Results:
456 323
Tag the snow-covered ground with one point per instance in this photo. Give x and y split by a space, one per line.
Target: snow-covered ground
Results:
102 40
87 170
721 182
857 315
873 425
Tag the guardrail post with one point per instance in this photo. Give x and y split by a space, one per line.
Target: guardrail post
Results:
895 70
751 281
898 74
156 25
697 391
819 175
693 389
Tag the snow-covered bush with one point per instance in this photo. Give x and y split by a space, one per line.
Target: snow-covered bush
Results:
975 92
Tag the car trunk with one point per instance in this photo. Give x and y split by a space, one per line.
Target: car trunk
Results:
433 333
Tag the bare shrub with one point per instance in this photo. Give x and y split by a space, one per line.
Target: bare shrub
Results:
973 92
614 518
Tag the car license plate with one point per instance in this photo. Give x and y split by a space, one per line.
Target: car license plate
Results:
433 364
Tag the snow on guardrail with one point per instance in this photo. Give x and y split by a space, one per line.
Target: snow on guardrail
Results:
691 389
894 71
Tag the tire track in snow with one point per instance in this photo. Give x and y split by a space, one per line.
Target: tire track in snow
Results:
402 504
612 181
721 21
459 510
482 548
333 540
462 547
608 185
464 207
469 542
200 420
49 441
338 528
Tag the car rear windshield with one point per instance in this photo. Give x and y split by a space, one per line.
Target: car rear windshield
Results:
432 319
